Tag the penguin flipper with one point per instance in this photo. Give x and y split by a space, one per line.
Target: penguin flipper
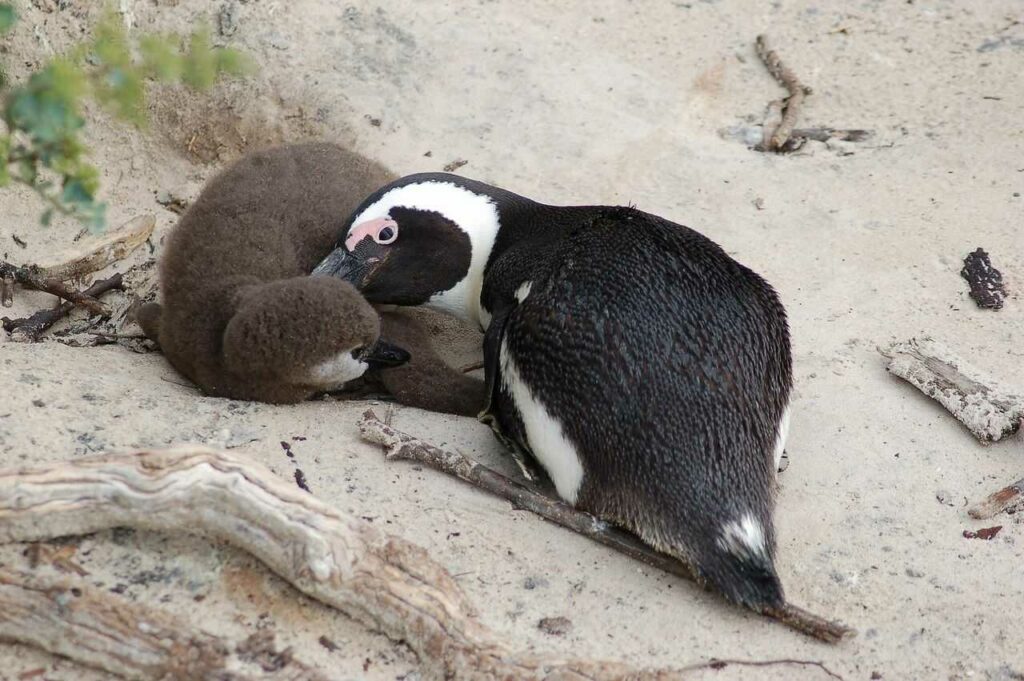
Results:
500 411
426 381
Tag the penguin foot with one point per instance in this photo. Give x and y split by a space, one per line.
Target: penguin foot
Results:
783 463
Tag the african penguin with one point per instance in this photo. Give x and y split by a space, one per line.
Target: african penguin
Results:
646 371
242 318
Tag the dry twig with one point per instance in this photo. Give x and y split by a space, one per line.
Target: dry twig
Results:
33 277
777 139
722 664
997 502
402 446
104 631
335 558
29 329
988 410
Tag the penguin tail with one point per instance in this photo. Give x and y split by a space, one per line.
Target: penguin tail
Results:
148 316
740 563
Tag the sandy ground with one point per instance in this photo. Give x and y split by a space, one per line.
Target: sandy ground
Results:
612 102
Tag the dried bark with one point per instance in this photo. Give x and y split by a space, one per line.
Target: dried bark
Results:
113 247
986 282
340 560
990 411
402 446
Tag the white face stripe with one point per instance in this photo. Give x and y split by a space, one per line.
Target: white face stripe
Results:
337 371
781 433
544 433
475 214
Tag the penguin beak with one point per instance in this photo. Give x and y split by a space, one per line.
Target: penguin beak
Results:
382 355
342 264
353 266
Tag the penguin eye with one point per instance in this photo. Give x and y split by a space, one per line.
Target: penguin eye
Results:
387 234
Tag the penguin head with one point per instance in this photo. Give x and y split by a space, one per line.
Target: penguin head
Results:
423 240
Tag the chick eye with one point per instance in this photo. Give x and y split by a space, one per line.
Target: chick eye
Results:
387 234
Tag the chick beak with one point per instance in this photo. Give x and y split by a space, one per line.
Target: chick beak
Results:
382 355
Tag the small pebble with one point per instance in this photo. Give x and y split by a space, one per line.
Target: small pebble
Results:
555 626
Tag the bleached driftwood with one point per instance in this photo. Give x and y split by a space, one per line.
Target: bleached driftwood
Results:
399 445
340 560
98 629
977 400
997 502
110 248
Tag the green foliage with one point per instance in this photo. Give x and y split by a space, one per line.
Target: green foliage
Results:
43 117
7 17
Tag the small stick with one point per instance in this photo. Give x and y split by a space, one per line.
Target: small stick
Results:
997 502
6 289
722 664
100 630
402 446
31 276
787 79
29 329
113 247
989 410
825 134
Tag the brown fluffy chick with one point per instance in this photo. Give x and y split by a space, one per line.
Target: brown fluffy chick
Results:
241 318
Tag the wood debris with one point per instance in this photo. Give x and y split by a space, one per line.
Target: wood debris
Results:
990 411
987 289
334 557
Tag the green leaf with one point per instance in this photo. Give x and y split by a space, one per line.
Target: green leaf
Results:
98 218
7 17
46 218
161 58
200 62
5 155
233 62
75 192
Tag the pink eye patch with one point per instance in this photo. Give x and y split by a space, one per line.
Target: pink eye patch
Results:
382 230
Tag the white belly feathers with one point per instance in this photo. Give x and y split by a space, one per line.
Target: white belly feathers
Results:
544 433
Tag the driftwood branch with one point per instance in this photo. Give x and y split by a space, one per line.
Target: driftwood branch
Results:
110 248
30 328
104 631
776 139
335 558
402 446
990 411
1005 499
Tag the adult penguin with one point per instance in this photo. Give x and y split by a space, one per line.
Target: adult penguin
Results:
641 366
